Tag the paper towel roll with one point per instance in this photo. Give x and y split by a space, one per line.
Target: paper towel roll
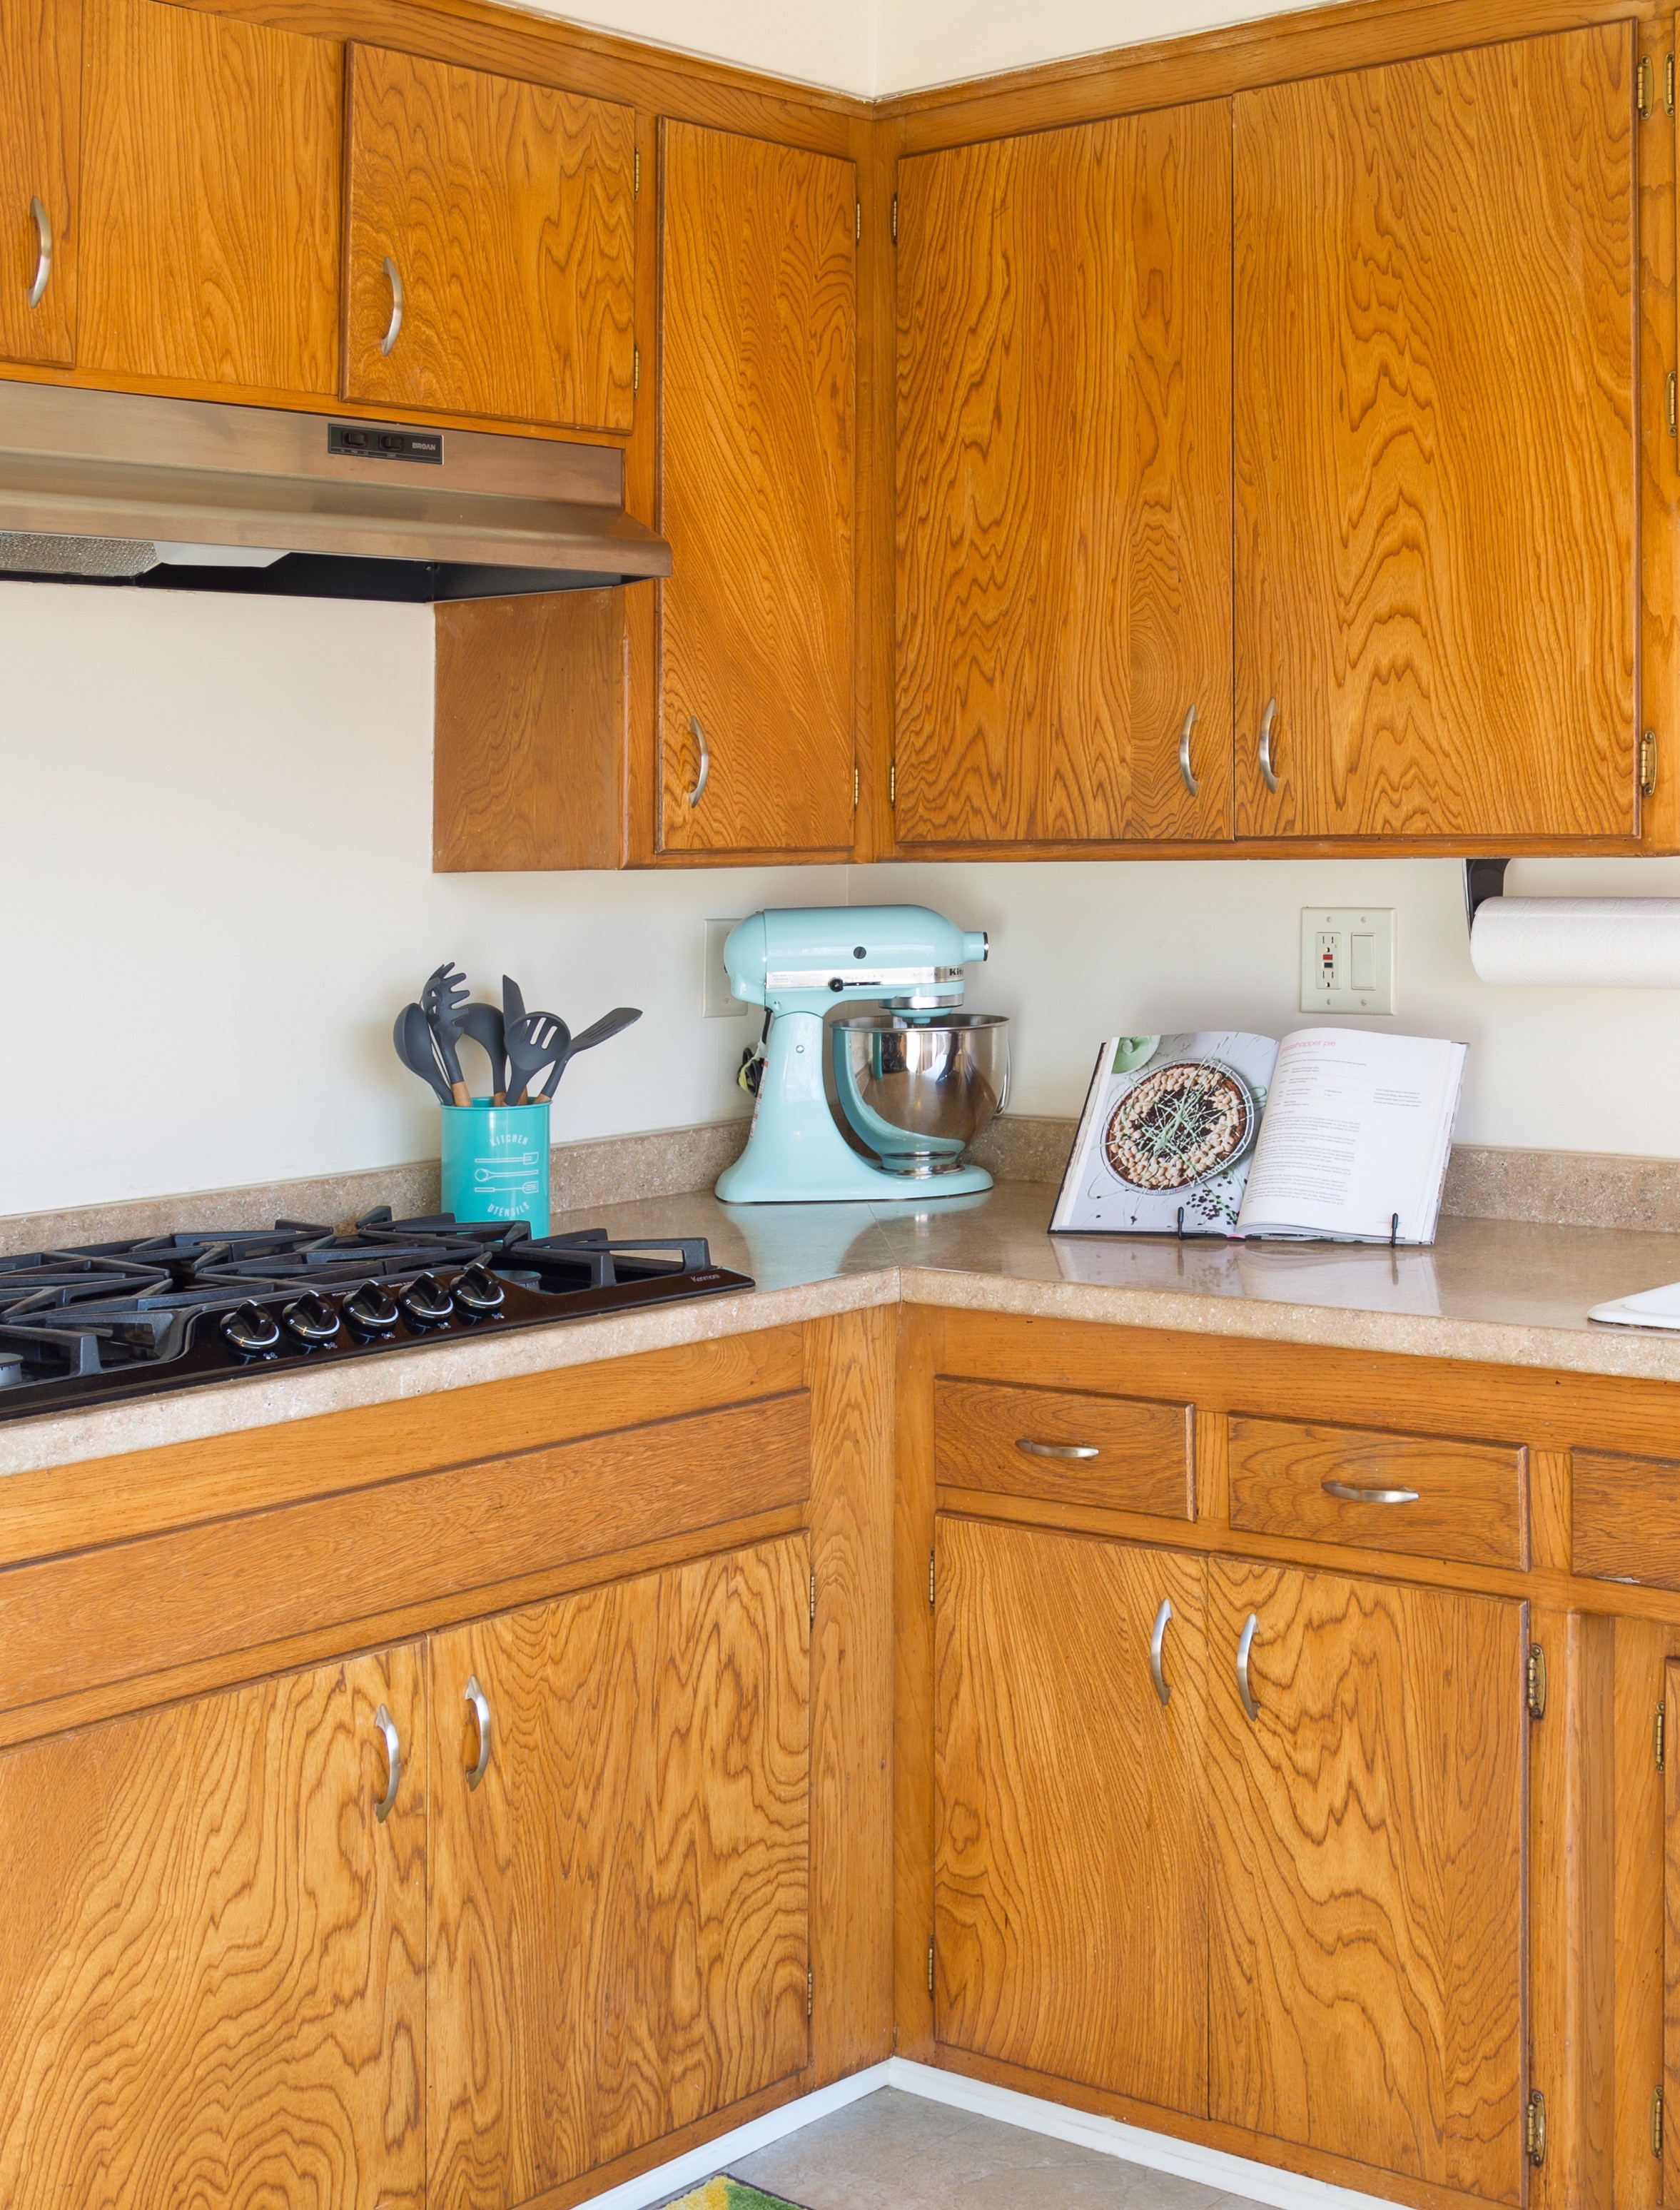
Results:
1591 944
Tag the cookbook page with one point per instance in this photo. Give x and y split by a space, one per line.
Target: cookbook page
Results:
1357 1130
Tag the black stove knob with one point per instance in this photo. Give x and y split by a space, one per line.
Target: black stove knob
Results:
250 1329
369 1311
477 1292
425 1301
311 1319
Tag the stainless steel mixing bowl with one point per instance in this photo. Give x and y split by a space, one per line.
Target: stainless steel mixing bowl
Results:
917 1093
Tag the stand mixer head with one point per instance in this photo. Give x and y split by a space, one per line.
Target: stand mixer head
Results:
799 963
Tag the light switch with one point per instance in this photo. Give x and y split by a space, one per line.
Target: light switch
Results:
1348 960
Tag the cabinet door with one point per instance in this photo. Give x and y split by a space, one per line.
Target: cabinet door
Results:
1064 484
1070 1921
209 215
618 1929
40 44
500 217
757 455
212 1951
1436 446
1367 1993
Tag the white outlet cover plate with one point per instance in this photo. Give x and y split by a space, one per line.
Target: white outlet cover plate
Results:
716 1002
1347 959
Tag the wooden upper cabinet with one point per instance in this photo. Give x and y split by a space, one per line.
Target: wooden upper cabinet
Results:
212 1951
1436 446
1367 1948
492 257
209 203
619 1915
1070 1868
1063 529
40 43
757 459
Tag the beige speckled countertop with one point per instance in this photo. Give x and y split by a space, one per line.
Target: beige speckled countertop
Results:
1507 1292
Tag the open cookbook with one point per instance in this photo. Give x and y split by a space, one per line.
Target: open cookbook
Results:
1334 1133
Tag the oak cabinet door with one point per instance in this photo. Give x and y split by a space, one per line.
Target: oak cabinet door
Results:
619 1934
1063 531
213 1952
1367 1978
757 459
210 194
1436 446
1070 1911
41 44
491 255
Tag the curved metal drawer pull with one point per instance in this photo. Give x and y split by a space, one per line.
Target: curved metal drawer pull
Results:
43 252
1191 782
395 283
388 1729
1030 1448
479 1704
699 790
1350 1494
1243 1646
1157 1644
1268 723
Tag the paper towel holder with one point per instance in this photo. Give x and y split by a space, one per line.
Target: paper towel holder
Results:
1483 879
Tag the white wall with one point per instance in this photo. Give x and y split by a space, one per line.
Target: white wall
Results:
831 44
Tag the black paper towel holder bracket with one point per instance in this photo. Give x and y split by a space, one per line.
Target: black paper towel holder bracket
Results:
1483 879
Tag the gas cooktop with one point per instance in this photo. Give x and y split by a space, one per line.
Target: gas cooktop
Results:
110 1321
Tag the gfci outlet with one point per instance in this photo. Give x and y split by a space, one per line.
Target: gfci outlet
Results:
1347 959
716 1003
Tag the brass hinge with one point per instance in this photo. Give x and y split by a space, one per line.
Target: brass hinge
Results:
1537 1681
854 789
1534 2136
636 175
1672 408
1668 84
635 369
1647 79
1661 1729
857 222
929 1580
895 218
1656 2122
1647 765
810 1990
813 1596
929 1963
893 784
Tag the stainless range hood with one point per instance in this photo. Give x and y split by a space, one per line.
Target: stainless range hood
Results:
162 494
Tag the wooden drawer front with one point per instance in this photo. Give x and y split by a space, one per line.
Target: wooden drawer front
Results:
1142 1452
1447 1499
1626 1518
136 1608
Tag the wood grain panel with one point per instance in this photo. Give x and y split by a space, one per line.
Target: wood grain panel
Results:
1145 1458
643 1822
1367 1978
212 1955
1063 525
921 1333
1435 445
758 495
210 199
529 735
1671 2156
110 1614
508 211
1469 1495
1625 1518
1071 1867
40 89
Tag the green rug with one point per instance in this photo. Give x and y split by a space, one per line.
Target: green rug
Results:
725 2194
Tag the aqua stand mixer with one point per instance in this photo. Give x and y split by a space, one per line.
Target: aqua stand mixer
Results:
917 1082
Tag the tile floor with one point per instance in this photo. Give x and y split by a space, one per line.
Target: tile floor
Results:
892 2151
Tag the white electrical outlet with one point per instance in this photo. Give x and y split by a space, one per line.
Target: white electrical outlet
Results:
716 1003
1347 959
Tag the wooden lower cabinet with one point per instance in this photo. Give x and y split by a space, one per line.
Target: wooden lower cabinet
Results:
213 1952
619 1930
1071 1862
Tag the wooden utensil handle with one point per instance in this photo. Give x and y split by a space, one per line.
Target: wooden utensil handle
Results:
460 1093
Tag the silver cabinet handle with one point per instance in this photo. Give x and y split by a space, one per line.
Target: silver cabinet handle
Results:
395 323
1267 722
1245 1643
479 1704
388 1729
1030 1448
43 252
1157 1646
699 734
1350 1494
1191 783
